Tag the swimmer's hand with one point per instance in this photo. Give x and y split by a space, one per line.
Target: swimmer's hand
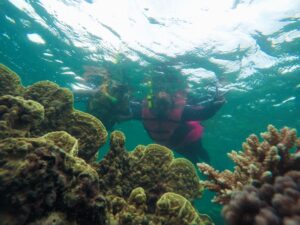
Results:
218 101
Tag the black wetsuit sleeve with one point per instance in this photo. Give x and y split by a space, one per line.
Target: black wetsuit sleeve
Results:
197 113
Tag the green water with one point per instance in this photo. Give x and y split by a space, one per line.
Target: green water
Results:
254 57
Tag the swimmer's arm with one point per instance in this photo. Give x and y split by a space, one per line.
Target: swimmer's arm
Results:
199 112
134 112
84 92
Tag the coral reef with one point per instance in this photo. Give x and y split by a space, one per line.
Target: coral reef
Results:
132 211
52 185
63 140
176 210
54 218
18 116
171 209
257 163
38 177
10 82
89 131
58 113
45 178
276 203
151 167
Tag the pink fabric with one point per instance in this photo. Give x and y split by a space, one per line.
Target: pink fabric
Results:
195 133
154 126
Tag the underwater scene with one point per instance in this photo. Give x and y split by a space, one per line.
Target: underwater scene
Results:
149 112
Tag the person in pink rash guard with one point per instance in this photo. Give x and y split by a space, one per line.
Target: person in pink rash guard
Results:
169 121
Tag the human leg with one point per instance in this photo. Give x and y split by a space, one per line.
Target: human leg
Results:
195 152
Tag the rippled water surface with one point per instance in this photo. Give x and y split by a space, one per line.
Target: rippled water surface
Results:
248 49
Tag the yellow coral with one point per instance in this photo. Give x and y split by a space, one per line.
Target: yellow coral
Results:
63 140
10 83
183 179
18 116
177 210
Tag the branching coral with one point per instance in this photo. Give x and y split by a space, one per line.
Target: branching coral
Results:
258 162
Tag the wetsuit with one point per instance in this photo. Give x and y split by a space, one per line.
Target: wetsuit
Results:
191 148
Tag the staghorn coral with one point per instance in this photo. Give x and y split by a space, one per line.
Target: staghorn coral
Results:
19 116
37 176
276 203
258 162
10 83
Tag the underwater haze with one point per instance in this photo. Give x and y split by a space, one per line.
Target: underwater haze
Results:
249 50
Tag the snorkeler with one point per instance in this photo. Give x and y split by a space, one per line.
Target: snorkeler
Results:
169 121
110 101
107 100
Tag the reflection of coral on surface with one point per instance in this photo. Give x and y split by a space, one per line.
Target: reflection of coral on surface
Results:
258 162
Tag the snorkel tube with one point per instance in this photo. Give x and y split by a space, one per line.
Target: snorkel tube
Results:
150 95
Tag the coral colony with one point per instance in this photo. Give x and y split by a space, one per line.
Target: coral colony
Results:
49 173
